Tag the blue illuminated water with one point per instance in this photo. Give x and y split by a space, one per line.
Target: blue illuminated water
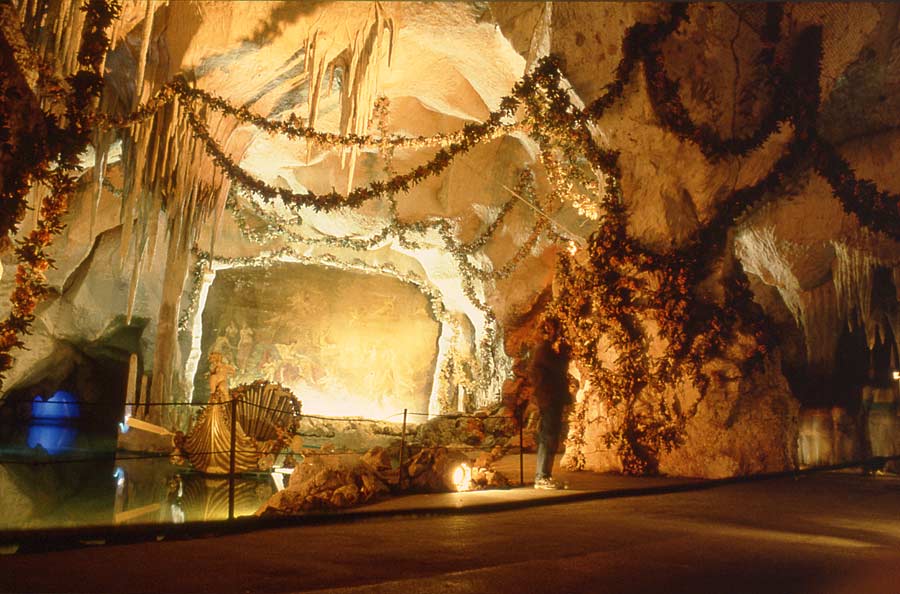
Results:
57 471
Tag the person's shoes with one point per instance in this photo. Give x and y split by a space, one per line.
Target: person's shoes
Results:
548 484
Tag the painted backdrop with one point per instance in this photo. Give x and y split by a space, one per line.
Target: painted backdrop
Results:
346 343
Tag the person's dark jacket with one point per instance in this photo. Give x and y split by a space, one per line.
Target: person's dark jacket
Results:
549 376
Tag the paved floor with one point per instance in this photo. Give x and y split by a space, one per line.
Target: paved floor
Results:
578 484
829 533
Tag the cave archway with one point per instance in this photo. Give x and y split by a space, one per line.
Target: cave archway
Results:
346 343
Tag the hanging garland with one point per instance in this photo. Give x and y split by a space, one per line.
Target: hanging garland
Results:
875 209
623 282
674 116
641 44
624 285
403 232
694 331
54 164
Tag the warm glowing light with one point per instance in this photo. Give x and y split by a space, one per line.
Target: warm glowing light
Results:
573 247
462 477
897 375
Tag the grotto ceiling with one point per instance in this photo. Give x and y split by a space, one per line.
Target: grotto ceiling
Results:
727 156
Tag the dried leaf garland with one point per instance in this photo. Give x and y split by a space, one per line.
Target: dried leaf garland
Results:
62 147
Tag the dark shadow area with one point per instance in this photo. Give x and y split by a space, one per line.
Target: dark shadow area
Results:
855 364
288 12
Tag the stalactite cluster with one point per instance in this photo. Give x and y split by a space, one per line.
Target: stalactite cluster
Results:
607 303
178 160
54 164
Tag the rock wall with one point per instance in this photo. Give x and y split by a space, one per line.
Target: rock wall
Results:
811 266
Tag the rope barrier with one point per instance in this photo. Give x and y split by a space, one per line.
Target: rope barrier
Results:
269 408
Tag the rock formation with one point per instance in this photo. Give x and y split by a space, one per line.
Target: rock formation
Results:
156 213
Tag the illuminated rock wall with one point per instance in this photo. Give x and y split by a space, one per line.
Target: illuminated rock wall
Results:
441 66
345 343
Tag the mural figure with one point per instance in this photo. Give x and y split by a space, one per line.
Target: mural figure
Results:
244 348
344 343
222 347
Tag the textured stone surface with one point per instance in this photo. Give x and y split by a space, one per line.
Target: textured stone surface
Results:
449 64
362 345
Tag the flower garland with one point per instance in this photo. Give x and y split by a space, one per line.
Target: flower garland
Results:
63 144
623 283
276 229
674 116
641 44
875 209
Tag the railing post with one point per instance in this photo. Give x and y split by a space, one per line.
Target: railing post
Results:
402 449
231 464
521 416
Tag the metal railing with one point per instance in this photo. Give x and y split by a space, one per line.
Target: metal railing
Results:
407 440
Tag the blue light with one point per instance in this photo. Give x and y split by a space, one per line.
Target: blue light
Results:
62 405
49 422
53 437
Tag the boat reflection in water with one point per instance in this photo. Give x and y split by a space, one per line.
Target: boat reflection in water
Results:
168 495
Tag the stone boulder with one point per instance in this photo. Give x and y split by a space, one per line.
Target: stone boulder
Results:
326 483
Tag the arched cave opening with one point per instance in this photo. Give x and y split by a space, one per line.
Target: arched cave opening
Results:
75 405
863 356
369 224
346 343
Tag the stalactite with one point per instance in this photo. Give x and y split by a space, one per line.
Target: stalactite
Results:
114 36
74 28
139 253
148 180
852 274
43 26
540 37
347 103
193 190
35 16
166 354
821 323
220 187
134 176
174 117
762 254
178 219
101 156
315 87
331 68
54 28
142 56
169 155
360 83
59 29
306 55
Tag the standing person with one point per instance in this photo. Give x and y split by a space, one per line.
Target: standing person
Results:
550 378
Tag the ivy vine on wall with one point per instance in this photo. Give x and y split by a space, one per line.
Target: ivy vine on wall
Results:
604 302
